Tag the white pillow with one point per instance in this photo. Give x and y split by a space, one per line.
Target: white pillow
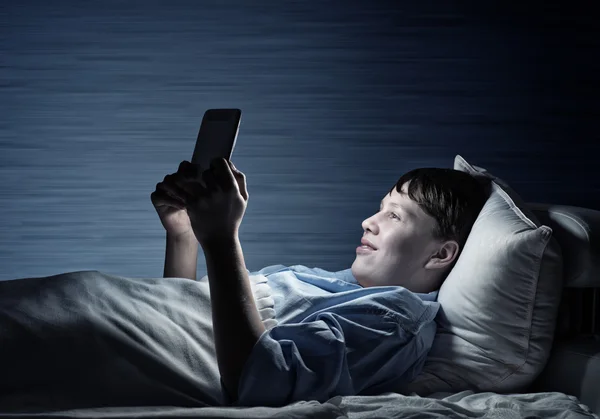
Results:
498 304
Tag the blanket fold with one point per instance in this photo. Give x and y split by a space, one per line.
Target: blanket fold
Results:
89 339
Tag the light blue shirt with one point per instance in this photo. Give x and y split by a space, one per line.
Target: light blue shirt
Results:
326 336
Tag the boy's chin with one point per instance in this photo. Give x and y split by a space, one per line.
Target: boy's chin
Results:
358 271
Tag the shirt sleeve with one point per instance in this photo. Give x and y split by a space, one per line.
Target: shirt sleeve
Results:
335 353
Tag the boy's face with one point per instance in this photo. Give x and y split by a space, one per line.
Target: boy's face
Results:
403 236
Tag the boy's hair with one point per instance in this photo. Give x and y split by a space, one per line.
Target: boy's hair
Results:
453 198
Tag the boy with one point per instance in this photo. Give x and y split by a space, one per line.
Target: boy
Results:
363 330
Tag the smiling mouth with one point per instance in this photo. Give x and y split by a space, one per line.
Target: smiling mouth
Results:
363 249
366 243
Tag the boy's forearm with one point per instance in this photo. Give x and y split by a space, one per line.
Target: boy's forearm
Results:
237 325
181 257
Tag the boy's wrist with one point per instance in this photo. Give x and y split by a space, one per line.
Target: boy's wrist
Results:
185 237
220 243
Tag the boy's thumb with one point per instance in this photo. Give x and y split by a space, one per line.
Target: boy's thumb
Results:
233 167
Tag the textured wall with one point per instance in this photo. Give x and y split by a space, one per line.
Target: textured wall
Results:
100 100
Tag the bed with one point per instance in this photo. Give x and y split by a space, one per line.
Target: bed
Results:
73 344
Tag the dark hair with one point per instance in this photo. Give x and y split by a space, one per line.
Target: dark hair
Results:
453 198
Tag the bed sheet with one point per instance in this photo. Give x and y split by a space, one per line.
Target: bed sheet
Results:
466 404
440 405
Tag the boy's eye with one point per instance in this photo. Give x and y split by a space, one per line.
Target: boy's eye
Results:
391 214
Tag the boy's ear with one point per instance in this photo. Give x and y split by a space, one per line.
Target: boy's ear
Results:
444 256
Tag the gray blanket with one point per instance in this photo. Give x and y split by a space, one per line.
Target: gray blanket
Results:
89 339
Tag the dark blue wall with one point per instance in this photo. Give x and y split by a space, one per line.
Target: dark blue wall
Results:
100 100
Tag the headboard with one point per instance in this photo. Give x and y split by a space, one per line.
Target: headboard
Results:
577 231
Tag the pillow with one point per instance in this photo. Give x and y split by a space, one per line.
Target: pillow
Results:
499 303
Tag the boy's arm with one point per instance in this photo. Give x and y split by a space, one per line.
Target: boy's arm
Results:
181 256
237 325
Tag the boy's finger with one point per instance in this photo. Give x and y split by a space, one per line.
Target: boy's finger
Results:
188 170
184 184
233 168
224 173
240 179
212 182
160 198
170 187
